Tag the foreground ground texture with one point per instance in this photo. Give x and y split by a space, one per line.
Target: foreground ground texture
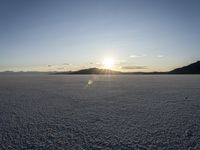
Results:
99 112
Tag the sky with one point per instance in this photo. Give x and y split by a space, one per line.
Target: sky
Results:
61 35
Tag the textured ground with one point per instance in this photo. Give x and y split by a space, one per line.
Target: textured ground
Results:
99 112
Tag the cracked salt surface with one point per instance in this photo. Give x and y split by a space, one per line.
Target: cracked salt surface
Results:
111 112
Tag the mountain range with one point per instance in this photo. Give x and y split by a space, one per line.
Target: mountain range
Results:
193 68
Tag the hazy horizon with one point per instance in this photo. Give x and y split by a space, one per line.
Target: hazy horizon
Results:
128 35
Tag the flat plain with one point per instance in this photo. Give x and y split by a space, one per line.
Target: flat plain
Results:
91 112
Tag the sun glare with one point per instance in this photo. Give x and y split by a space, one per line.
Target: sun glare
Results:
108 63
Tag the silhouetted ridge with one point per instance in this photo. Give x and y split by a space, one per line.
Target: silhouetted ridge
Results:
95 71
190 69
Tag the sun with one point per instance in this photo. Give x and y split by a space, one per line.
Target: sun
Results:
108 63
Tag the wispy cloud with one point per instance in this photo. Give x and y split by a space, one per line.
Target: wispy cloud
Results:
67 64
122 62
134 67
61 68
160 56
137 56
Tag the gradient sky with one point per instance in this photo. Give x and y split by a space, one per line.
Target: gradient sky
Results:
140 35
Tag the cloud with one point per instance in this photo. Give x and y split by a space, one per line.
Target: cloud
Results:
98 64
160 56
61 68
58 65
138 56
134 67
122 62
66 64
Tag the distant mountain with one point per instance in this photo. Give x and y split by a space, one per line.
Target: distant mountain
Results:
91 71
23 73
190 69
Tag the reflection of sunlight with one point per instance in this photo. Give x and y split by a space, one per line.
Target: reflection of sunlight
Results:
108 63
90 82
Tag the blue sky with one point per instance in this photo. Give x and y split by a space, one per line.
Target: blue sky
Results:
140 35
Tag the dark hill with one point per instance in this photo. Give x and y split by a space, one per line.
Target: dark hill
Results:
190 69
95 71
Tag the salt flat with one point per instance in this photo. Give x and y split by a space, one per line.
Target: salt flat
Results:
111 112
